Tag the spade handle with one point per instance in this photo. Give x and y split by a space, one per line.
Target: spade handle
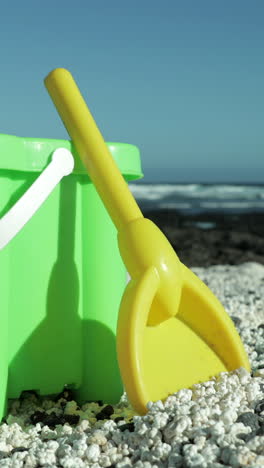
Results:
91 147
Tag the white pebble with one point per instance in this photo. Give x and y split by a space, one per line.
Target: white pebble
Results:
93 453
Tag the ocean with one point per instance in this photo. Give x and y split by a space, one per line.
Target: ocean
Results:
199 198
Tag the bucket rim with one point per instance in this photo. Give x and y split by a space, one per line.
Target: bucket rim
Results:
33 154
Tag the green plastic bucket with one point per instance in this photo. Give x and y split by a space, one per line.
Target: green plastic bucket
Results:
62 279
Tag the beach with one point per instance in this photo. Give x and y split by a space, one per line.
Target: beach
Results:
213 424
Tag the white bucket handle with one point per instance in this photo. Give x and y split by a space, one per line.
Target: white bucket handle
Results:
62 164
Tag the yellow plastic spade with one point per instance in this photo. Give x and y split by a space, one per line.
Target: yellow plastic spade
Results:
172 331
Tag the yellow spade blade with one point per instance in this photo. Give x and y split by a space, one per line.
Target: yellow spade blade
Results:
156 360
172 331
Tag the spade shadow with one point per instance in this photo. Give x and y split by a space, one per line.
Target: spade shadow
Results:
65 349
51 356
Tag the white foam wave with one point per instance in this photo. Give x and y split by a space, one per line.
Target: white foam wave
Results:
175 205
232 205
199 197
152 192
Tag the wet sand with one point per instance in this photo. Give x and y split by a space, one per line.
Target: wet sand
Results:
212 239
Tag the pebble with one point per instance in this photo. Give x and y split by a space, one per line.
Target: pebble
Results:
249 419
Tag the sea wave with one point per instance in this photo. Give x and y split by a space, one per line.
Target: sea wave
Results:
200 197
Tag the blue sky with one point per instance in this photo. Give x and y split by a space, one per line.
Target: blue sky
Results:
183 80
